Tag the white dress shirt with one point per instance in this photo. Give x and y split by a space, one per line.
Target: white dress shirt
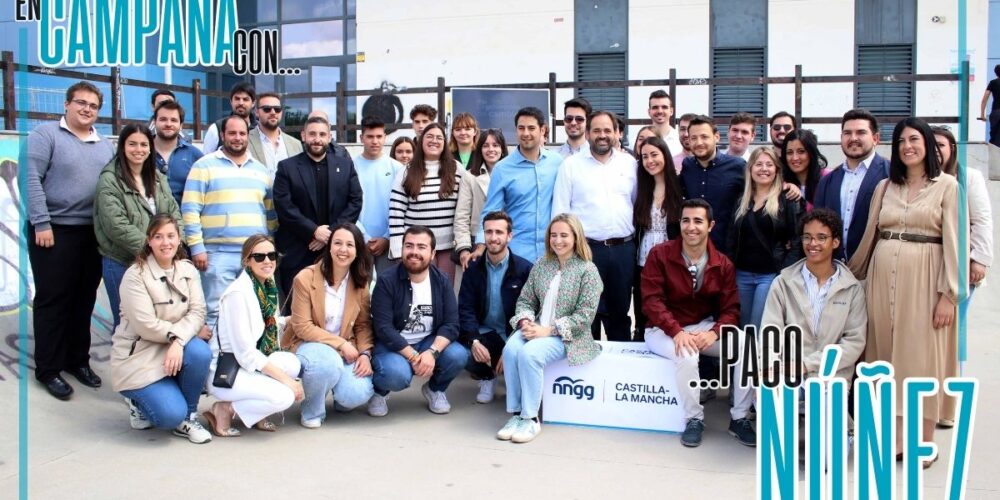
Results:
601 195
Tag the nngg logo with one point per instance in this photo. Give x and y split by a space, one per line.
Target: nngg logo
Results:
566 386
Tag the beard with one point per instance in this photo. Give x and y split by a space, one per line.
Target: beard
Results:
600 148
413 267
167 135
233 150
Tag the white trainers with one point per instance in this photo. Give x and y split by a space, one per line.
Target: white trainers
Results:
377 406
136 418
437 402
526 431
486 391
311 423
193 431
507 431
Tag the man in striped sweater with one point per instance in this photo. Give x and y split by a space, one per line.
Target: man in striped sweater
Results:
227 198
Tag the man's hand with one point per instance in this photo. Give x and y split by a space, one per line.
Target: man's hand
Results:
480 353
423 366
499 369
463 258
45 239
378 246
200 261
316 245
705 339
685 344
322 234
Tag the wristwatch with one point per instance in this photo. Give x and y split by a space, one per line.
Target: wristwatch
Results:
434 352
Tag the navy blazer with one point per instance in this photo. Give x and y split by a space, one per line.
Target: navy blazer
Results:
828 196
393 297
472 297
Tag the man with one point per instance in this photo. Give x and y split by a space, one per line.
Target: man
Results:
688 293
337 150
521 185
742 130
241 99
227 198
269 144
489 291
313 191
422 115
575 113
160 96
174 153
661 110
64 160
682 131
599 186
715 177
416 324
376 173
992 88
781 124
848 189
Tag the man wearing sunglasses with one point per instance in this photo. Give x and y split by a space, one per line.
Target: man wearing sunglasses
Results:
268 144
780 124
575 113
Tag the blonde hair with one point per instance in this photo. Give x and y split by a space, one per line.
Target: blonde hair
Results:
773 202
580 246
463 120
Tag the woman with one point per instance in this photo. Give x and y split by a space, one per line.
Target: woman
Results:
909 255
644 133
802 164
763 237
157 361
464 136
331 329
657 211
425 194
552 318
265 383
402 150
490 149
129 192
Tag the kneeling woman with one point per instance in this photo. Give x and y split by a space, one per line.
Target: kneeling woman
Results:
331 326
157 361
266 381
552 317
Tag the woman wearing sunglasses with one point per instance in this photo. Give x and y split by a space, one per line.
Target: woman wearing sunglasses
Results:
490 149
266 381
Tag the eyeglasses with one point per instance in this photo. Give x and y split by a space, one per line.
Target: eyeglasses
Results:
85 104
779 127
270 109
819 238
575 119
259 257
693 269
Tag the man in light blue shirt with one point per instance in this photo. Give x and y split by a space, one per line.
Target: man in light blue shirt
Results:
376 172
521 185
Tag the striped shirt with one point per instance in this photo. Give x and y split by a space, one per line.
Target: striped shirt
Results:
427 209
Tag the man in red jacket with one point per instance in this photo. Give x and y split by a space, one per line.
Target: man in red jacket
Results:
688 293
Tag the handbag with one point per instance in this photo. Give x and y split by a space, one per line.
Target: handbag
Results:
226 367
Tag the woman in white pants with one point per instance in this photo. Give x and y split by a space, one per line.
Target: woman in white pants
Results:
267 381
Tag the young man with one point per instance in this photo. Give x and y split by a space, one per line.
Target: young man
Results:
64 160
422 115
682 131
269 144
661 110
174 153
688 293
160 96
575 113
742 130
241 99
780 125
489 291
376 172
992 88
521 185
598 185
848 190
336 149
416 324
313 191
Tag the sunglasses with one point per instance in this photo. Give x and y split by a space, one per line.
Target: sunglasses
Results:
259 257
577 119
270 109
778 127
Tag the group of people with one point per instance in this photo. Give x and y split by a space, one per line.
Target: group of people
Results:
272 271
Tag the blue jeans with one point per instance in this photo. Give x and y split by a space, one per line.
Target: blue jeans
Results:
223 268
169 401
393 372
323 370
753 288
523 361
113 271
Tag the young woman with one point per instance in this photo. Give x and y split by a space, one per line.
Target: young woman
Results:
763 237
802 164
909 255
644 133
157 361
425 194
552 318
402 150
490 149
657 211
130 191
464 136
266 382
331 329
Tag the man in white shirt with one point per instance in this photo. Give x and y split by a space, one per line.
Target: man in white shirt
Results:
267 143
241 99
661 110
598 185
575 113
741 134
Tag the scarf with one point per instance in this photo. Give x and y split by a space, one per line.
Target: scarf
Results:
267 299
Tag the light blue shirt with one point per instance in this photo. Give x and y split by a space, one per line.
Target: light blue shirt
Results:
523 189
849 191
494 319
817 293
376 178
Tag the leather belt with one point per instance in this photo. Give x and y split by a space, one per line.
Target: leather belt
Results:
610 242
910 237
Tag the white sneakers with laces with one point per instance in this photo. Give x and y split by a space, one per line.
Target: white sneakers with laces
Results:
192 430
437 402
487 388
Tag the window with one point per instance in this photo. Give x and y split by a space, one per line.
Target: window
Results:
320 39
727 100
895 98
597 67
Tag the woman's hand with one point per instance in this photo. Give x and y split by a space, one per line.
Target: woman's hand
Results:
205 333
363 367
296 386
174 359
792 191
349 352
532 331
977 272
944 312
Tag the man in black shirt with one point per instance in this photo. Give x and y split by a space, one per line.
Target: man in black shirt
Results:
992 88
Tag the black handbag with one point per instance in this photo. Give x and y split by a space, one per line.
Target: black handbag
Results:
226 367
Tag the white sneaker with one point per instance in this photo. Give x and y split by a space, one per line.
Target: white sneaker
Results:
526 431
377 406
311 423
193 430
437 402
136 418
507 431
486 390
